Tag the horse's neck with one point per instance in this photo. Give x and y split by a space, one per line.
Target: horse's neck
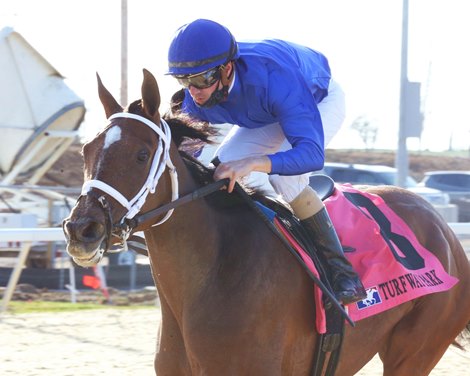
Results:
182 249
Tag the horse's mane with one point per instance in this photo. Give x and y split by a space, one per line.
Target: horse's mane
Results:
190 136
186 132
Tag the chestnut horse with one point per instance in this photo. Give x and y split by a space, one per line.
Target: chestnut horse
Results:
233 299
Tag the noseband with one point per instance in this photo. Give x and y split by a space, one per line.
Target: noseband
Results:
160 161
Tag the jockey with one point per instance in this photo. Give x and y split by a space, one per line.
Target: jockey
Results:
285 108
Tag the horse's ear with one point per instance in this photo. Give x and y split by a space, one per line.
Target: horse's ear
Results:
150 96
111 106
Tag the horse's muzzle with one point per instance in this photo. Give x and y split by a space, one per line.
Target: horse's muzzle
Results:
85 238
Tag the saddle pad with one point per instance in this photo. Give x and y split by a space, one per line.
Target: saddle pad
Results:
394 267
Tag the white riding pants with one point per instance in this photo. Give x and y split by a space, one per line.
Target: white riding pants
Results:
244 142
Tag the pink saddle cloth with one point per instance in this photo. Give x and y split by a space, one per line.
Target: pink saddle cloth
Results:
394 267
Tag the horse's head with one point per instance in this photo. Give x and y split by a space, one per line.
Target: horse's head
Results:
122 165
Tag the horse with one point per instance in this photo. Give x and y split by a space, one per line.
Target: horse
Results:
233 299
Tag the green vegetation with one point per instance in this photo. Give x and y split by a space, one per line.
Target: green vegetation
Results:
18 307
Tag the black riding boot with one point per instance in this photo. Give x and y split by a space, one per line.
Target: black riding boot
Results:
346 284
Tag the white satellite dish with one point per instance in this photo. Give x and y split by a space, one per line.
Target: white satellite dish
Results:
39 113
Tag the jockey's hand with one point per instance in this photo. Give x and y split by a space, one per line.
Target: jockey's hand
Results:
235 170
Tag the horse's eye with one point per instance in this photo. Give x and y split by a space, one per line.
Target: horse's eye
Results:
143 156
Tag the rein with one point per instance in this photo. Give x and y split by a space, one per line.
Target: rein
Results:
198 193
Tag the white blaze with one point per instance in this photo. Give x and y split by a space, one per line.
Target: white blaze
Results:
112 135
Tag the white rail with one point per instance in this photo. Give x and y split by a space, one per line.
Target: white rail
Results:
52 234
27 236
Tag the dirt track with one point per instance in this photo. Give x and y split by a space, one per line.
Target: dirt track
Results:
112 342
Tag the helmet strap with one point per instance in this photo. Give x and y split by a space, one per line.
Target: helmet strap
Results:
224 78
220 95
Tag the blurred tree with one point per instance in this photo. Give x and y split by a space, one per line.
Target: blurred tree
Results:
367 130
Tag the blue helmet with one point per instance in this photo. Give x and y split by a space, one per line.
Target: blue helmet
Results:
199 46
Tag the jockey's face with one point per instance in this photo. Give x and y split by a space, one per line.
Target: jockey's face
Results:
202 95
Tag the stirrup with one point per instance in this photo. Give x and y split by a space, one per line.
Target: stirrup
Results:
352 295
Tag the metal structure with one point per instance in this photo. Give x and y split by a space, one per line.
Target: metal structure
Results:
411 118
401 161
39 120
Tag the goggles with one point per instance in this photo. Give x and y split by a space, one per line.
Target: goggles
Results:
201 80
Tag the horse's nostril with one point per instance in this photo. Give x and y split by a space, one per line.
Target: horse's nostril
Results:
84 231
91 231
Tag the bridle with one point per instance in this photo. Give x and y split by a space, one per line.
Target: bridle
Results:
160 162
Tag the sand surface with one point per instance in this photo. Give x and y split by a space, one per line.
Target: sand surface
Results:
113 342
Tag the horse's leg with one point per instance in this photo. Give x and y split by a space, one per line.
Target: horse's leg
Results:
362 342
170 358
276 348
422 337
245 333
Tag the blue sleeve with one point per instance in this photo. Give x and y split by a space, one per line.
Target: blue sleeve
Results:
294 105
